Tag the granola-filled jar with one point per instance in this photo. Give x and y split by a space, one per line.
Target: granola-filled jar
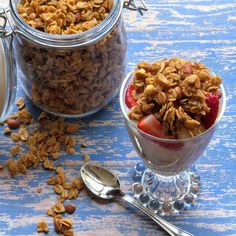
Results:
71 74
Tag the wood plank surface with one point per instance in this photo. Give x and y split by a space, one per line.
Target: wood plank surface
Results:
197 29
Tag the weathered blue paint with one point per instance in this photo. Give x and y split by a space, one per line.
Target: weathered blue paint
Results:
197 29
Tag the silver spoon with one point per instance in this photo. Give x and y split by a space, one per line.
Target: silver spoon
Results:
106 185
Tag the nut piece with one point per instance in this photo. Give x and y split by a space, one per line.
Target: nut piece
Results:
42 227
70 208
73 128
39 190
187 69
1 167
13 123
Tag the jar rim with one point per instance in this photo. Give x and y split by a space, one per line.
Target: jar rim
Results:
71 40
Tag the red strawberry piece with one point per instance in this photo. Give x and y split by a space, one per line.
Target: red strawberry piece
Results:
150 125
130 101
212 102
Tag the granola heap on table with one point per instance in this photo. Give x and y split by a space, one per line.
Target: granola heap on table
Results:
39 143
183 97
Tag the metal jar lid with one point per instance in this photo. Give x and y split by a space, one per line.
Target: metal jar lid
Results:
7 70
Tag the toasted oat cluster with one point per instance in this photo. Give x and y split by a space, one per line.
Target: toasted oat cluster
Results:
42 227
64 16
175 91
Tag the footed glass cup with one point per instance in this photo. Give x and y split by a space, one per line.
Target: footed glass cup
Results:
167 184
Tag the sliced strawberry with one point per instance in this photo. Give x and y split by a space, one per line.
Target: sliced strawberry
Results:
150 125
129 99
212 102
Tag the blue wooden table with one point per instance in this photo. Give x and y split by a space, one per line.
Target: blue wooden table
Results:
197 29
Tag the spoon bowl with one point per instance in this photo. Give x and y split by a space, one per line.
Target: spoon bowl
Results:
104 184
100 181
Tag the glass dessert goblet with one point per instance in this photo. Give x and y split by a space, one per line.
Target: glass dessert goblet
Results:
167 184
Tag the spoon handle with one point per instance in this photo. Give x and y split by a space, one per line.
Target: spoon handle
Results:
168 227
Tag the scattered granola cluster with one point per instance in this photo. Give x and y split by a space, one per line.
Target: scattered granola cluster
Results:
45 139
42 227
44 142
64 16
176 91
65 190
63 226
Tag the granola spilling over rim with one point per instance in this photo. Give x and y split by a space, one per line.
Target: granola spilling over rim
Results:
182 95
64 16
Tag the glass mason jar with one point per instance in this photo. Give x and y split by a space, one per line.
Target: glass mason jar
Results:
71 75
68 75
